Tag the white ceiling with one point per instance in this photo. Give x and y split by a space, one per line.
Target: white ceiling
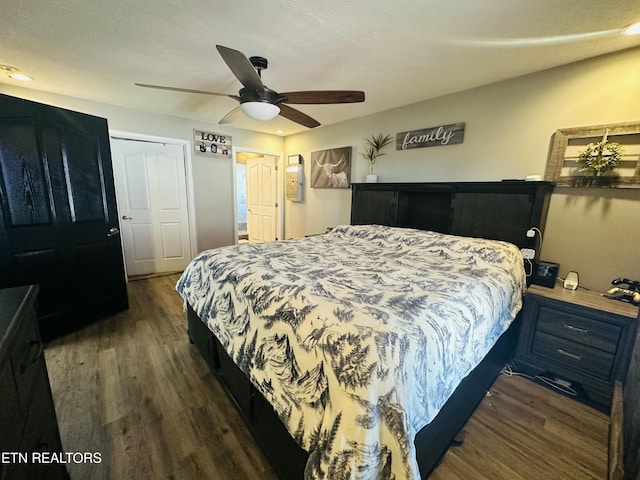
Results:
397 51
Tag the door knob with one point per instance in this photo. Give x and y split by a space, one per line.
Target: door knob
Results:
124 217
113 231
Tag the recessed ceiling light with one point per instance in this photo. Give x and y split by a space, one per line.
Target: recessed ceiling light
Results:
279 132
13 72
21 76
633 29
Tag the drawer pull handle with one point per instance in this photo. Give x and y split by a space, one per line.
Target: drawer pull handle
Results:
35 358
575 329
569 354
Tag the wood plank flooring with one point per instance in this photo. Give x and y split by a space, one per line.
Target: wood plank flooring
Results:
132 388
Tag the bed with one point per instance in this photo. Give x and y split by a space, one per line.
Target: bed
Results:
358 353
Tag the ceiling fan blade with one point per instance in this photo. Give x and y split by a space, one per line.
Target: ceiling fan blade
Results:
187 90
231 117
323 96
241 68
297 116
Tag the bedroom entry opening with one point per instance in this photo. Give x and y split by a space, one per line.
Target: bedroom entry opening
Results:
257 205
152 193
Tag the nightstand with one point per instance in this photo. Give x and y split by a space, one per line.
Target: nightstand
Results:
579 337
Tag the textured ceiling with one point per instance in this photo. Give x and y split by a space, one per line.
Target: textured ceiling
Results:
397 51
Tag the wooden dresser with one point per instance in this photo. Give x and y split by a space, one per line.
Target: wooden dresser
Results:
28 425
578 337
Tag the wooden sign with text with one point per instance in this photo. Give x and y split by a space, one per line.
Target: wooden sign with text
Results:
431 137
212 144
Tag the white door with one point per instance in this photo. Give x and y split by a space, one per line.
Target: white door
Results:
261 198
152 204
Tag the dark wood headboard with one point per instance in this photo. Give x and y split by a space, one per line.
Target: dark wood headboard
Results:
496 210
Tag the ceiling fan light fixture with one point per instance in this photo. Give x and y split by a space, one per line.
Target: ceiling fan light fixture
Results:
260 110
261 103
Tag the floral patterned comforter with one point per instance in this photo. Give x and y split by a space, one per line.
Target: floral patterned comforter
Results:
358 337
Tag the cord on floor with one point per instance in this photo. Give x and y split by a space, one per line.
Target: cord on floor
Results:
510 370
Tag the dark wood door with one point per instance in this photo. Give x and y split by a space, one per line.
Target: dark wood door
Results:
58 214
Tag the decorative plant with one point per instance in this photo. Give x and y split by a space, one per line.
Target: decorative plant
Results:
373 147
599 157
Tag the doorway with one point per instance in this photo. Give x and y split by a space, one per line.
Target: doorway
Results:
258 212
153 196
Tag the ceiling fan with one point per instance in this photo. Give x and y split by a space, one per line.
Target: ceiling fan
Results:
261 103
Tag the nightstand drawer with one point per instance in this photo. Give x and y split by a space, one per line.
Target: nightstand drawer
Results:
580 329
572 354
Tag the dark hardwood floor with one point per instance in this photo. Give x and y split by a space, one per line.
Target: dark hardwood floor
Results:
132 388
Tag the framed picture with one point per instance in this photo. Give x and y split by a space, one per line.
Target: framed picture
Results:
331 168
572 148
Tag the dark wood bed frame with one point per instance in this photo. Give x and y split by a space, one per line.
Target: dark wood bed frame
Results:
499 210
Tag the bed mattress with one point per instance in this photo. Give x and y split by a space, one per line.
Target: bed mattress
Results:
359 336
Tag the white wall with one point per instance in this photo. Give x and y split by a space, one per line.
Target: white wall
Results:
509 127
212 177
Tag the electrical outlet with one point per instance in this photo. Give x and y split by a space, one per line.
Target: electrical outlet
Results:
528 253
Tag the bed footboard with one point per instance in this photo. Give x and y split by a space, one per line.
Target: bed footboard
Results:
433 440
288 459
285 455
